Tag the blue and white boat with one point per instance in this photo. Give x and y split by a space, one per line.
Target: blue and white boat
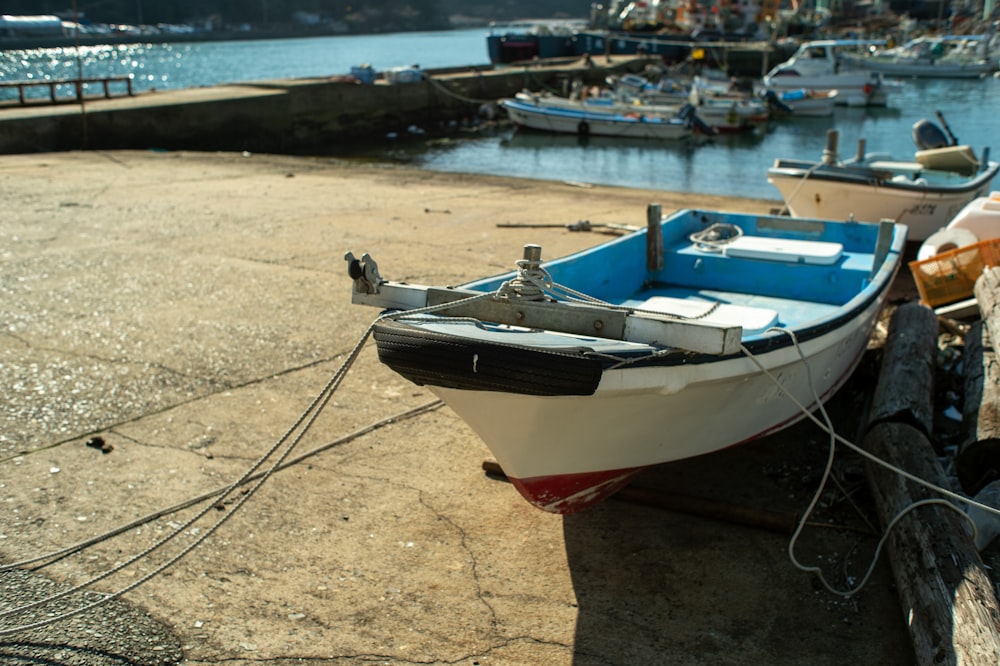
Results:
602 119
700 331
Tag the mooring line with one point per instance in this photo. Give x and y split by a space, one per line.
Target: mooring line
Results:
302 424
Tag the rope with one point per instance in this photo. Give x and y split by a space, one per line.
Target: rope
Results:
150 517
827 426
795 192
537 278
715 237
302 424
450 93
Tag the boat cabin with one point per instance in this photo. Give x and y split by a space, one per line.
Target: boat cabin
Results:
820 57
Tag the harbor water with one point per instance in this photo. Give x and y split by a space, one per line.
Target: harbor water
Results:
726 165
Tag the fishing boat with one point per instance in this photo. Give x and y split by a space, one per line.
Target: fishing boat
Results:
697 332
820 65
709 117
937 56
923 193
587 120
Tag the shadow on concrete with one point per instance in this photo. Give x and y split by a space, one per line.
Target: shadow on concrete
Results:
704 577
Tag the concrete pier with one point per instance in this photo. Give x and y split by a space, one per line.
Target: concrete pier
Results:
309 116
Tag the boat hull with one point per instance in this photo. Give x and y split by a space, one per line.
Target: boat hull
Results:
929 70
921 207
666 360
595 122
855 89
566 453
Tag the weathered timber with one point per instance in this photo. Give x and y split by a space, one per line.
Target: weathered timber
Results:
979 453
905 392
947 598
981 382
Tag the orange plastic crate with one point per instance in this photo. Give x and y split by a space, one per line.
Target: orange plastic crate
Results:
951 276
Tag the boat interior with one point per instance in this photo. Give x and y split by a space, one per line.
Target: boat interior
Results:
775 271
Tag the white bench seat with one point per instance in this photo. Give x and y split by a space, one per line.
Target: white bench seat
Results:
753 320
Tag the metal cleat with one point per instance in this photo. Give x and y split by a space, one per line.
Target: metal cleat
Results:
364 272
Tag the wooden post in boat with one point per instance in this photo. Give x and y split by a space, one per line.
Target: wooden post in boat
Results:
947 599
830 152
654 237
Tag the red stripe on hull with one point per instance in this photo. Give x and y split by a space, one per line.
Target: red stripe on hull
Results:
569 493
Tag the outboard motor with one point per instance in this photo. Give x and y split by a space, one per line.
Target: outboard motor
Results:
774 102
689 114
928 136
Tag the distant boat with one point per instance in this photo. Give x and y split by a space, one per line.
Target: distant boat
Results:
586 121
819 65
667 343
711 116
801 102
924 193
941 56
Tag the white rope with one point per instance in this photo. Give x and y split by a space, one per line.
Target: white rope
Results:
795 192
715 237
827 426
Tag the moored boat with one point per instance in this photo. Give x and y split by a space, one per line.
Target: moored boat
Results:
937 56
820 65
801 102
924 193
680 339
587 120
710 116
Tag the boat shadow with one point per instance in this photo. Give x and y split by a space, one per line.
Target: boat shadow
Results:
689 564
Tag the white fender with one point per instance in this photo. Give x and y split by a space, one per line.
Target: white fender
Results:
944 240
980 216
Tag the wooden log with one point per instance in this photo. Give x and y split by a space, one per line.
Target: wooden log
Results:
947 598
978 460
981 386
987 291
982 372
905 388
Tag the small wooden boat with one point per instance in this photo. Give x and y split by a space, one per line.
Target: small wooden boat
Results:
679 339
586 120
924 193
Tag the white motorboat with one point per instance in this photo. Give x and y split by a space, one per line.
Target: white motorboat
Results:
820 65
923 193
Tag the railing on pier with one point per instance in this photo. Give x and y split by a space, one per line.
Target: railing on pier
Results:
76 85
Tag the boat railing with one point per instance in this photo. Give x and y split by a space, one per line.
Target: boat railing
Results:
77 87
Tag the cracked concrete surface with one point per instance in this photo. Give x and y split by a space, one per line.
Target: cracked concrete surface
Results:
187 307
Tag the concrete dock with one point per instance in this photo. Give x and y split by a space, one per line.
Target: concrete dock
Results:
310 116
168 317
